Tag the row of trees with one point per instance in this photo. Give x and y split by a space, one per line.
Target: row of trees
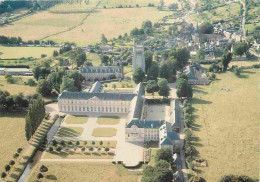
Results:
18 40
34 117
162 171
8 101
183 88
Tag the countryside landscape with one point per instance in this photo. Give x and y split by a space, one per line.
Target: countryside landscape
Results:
129 90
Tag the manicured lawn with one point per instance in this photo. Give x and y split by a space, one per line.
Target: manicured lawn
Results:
244 63
108 120
76 120
12 135
227 125
70 132
82 171
79 155
19 52
94 59
104 132
152 155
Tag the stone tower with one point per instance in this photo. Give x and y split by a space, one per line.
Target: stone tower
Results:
138 57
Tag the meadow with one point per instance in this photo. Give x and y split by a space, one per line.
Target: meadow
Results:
133 3
25 52
12 135
82 171
227 125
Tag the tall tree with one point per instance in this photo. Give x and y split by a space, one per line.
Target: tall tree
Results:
151 86
153 72
183 89
67 84
44 87
226 58
148 55
138 75
163 87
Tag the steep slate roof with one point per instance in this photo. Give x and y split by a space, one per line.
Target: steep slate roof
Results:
100 69
145 123
101 96
96 87
175 116
189 71
167 136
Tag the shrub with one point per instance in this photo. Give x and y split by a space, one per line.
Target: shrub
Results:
83 149
39 176
50 149
70 142
19 150
106 149
100 143
3 175
85 142
7 167
30 82
43 169
11 162
91 149
58 148
93 143
16 155
62 143
54 143
77 143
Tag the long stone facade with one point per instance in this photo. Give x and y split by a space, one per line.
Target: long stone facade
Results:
95 73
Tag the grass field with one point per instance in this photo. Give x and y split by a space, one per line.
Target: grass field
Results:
133 3
104 132
79 155
108 120
19 52
82 171
76 120
244 63
17 88
73 7
111 23
227 125
40 25
12 135
94 59
70 132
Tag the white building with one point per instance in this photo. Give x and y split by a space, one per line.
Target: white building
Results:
94 73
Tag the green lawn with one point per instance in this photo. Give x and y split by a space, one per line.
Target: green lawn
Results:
152 155
108 120
70 132
94 59
25 52
82 171
104 132
227 124
79 155
76 119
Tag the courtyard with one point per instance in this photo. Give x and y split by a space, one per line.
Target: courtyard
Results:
156 112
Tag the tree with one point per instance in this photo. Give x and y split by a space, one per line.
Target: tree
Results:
138 75
30 82
103 39
93 143
240 48
105 59
100 143
148 55
173 7
39 176
55 53
181 55
236 178
153 71
226 58
67 84
183 89
163 154
163 87
83 149
44 87
106 149
3 175
206 28
7 167
77 78
197 179
147 24
43 169
50 149
11 163
151 86
201 54
162 171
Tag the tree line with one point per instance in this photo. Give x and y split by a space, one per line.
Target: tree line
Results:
19 40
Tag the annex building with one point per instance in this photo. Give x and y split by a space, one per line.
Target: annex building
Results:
94 73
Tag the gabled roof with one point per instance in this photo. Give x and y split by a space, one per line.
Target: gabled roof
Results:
100 69
166 141
101 96
145 123
96 87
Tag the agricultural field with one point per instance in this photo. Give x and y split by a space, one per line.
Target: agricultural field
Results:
124 3
25 52
227 124
227 12
80 6
12 135
111 23
18 87
82 171
40 25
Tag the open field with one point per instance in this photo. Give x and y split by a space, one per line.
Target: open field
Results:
19 52
104 132
82 171
76 120
111 23
73 7
79 155
12 135
108 120
244 63
17 88
227 125
70 132
94 59
251 27
40 25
